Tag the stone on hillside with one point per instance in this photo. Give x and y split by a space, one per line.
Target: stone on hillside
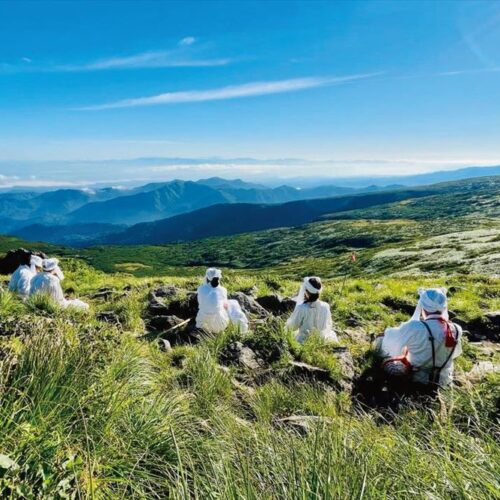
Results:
14 258
185 308
164 323
481 328
304 423
346 363
346 366
157 307
103 293
494 317
354 319
249 305
358 336
108 317
399 305
299 369
276 304
165 345
239 354
252 291
164 291
480 370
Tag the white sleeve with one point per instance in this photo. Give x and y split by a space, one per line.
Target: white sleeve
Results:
24 283
395 339
295 320
14 280
327 319
55 291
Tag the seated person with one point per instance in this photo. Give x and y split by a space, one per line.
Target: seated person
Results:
49 282
20 281
424 347
215 310
311 314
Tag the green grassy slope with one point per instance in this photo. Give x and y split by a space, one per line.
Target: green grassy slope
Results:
322 247
95 410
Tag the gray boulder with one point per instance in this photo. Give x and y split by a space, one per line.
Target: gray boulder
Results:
108 317
276 304
238 354
164 322
249 305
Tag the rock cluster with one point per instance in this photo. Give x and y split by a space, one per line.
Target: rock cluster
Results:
14 258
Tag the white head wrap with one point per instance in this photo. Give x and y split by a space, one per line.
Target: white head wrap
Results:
212 273
35 262
52 265
307 286
432 300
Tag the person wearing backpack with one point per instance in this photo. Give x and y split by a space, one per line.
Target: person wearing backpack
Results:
425 347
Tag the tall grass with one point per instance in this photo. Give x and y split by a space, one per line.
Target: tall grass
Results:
90 410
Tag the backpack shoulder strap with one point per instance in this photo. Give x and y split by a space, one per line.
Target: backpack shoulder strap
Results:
431 339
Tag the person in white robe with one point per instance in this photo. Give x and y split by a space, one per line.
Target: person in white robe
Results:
426 346
311 314
20 281
48 282
215 310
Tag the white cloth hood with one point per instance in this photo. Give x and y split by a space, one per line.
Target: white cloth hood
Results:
35 262
307 286
52 265
212 273
432 300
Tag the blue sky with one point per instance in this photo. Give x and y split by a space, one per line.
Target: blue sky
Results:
366 87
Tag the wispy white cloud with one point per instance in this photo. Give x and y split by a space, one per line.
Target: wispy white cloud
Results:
231 92
188 40
156 59
469 71
183 54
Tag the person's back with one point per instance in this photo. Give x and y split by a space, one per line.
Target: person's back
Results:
311 314
212 303
20 281
427 344
211 300
47 284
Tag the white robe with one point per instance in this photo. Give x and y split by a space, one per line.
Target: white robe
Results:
415 337
237 316
310 317
20 281
212 314
49 284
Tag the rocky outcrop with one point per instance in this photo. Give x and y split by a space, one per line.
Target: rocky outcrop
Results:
238 354
276 304
164 323
108 317
14 258
158 305
249 305
397 304
486 327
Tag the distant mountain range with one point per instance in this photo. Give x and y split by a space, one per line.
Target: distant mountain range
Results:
181 210
27 213
224 220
